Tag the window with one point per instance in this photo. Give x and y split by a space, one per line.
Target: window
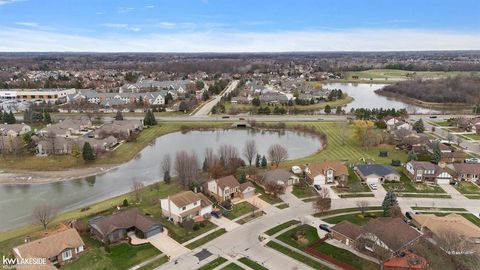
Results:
79 249
67 254
184 208
195 203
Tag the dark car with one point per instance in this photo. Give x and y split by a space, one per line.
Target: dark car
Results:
225 117
433 116
216 214
325 227
408 215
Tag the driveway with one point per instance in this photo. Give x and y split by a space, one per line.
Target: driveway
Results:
452 191
167 245
225 223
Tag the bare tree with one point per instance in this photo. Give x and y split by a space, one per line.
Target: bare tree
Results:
395 211
51 139
250 151
276 154
229 157
362 206
274 188
455 244
44 214
166 164
323 201
186 167
210 156
380 253
137 188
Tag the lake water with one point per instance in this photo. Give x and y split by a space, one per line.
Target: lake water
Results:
365 97
17 202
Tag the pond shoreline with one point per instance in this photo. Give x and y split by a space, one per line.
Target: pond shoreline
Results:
417 102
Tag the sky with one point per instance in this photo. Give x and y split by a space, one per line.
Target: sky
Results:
238 25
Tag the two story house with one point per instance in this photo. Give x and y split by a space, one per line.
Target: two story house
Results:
185 205
224 188
424 171
326 172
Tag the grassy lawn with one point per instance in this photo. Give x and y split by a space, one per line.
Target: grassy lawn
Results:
346 210
282 226
122 256
250 217
467 188
206 239
440 123
420 195
474 197
356 218
356 195
296 255
407 186
213 264
154 264
345 256
393 75
299 237
475 137
252 264
303 191
240 209
282 206
266 197
342 145
182 235
232 266
438 209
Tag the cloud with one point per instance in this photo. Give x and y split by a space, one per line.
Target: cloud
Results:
29 24
125 9
6 2
114 25
150 6
18 39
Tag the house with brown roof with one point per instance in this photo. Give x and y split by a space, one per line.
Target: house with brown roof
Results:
424 171
326 172
57 248
185 205
224 188
437 226
390 234
465 171
116 227
247 189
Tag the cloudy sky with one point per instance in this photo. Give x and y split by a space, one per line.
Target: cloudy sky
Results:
238 25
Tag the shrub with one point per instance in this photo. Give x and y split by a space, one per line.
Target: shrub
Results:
360 216
196 227
125 203
202 224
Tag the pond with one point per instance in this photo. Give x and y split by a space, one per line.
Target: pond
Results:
17 202
365 97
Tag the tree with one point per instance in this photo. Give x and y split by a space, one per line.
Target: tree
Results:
125 203
137 188
274 188
436 155
389 201
250 151
119 115
323 201
264 162
328 109
338 110
51 139
395 211
257 160
165 167
412 155
186 167
277 153
362 206
256 101
44 214
149 119
87 152
47 118
418 126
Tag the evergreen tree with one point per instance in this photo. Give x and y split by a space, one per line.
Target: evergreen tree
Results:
437 155
328 109
389 201
87 152
412 155
166 177
418 126
119 115
46 118
205 165
149 119
264 162
11 118
257 161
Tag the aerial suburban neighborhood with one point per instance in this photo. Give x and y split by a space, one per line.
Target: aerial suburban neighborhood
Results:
230 135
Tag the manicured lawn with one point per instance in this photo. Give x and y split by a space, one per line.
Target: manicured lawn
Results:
182 235
299 237
354 184
392 75
439 209
266 197
420 195
213 264
407 186
122 256
296 255
282 226
252 264
206 239
240 209
346 210
303 191
345 256
467 188
356 195
154 264
250 217
356 218
282 206
232 266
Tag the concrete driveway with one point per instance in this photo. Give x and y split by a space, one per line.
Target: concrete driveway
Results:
225 223
167 245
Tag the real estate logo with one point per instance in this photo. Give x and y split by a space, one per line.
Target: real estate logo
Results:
10 263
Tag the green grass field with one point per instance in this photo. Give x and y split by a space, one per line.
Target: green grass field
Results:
356 218
467 188
213 264
209 237
252 264
394 75
345 256
290 252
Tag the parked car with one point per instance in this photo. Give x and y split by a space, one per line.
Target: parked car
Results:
409 215
373 186
216 214
472 160
225 117
324 227
433 116
241 118
296 169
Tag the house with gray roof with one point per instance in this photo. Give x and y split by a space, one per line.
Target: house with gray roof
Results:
14 130
281 177
376 173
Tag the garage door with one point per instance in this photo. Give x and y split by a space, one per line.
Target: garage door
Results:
372 180
153 232
248 194
443 181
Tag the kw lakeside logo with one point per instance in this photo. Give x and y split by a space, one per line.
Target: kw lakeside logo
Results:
10 263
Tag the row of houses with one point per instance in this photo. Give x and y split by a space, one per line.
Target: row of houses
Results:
120 99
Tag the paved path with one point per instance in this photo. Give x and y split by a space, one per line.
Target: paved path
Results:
452 191
207 107
223 222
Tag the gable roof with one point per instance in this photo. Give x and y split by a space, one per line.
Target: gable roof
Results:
184 198
378 169
132 217
321 167
228 181
451 222
277 175
347 229
394 232
466 168
244 186
51 245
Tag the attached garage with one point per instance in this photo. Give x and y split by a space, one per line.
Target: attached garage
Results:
247 189
153 231
444 178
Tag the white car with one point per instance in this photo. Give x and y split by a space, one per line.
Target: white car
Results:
373 186
296 170
472 160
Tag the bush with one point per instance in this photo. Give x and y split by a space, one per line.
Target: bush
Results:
360 216
202 224
125 203
196 227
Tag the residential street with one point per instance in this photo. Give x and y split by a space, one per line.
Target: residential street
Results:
206 108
